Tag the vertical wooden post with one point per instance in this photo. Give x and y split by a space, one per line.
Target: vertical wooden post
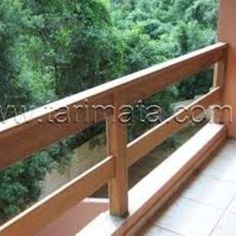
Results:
218 81
117 145
219 74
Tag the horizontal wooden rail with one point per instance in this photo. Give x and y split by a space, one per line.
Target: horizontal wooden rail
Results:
23 135
165 74
43 128
155 136
36 217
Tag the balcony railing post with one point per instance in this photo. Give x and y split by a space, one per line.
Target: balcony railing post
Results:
218 81
116 147
219 74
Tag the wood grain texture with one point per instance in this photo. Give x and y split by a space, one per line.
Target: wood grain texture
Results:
116 147
219 80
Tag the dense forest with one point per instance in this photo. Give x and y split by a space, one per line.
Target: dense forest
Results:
50 49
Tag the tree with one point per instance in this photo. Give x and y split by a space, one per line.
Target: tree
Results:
11 92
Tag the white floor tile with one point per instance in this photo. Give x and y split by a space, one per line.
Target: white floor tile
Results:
222 168
189 218
226 226
229 149
211 192
232 207
199 211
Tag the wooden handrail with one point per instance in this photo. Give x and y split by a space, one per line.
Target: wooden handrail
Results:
41 127
43 121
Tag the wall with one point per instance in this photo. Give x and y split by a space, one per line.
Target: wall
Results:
227 33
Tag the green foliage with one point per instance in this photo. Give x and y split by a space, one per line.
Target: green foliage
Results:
11 92
20 184
165 29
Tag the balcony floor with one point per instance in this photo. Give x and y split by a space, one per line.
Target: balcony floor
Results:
207 206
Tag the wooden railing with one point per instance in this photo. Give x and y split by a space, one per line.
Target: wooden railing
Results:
46 125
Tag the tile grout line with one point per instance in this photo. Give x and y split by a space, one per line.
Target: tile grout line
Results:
223 214
200 203
169 230
203 204
209 205
219 179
